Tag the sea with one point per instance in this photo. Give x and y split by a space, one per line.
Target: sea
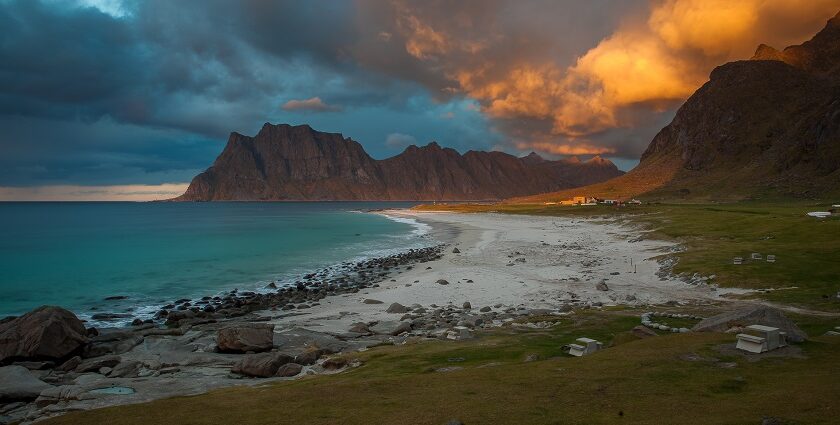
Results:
78 254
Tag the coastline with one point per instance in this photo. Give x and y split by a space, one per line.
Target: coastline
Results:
503 267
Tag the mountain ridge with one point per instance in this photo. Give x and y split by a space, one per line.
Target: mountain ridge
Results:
284 162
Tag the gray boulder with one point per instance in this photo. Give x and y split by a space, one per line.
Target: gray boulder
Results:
397 308
602 286
18 384
46 332
97 363
289 369
372 301
261 365
442 282
390 328
246 337
754 315
54 395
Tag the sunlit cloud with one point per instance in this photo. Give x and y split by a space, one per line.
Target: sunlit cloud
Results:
314 104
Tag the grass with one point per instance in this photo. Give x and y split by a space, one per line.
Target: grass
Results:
634 381
807 249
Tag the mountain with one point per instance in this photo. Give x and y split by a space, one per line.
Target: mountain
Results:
764 127
284 162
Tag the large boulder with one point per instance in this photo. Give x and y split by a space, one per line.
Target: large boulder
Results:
754 315
44 333
18 384
262 365
246 337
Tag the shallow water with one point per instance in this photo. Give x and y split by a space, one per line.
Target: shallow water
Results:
77 254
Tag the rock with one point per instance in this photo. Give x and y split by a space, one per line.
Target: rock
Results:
309 357
70 364
397 308
456 251
61 393
246 337
112 343
532 358
484 309
370 301
602 286
442 282
334 363
360 328
97 363
390 328
643 332
46 332
129 369
261 365
752 316
289 369
454 422
18 384
467 306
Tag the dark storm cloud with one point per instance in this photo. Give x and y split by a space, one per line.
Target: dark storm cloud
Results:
148 95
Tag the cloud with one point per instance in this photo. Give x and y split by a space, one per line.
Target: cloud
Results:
565 149
399 140
313 104
93 193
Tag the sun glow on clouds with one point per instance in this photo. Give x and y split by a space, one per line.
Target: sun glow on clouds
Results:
135 192
651 64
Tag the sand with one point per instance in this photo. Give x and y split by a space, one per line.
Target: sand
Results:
533 262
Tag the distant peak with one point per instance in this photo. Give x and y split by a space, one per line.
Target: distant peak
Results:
533 158
598 160
433 144
573 159
765 52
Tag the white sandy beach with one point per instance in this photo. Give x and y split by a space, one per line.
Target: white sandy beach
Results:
517 261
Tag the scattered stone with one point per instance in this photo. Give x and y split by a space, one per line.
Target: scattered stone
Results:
97 363
289 369
309 357
397 308
18 384
261 365
532 357
456 250
602 286
360 328
442 282
393 328
643 332
58 394
484 309
246 337
46 332
70 364
370 301
467 306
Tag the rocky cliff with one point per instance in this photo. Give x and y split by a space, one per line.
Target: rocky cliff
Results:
284 162
768 126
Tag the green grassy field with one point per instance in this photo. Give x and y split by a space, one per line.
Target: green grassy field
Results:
807 249
674 378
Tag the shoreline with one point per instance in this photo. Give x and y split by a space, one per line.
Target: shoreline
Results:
495 268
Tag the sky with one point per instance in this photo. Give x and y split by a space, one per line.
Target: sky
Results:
128 100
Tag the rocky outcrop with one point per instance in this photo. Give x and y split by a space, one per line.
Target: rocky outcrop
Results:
765 126
18 384
262 365
284 162
242 338
44 333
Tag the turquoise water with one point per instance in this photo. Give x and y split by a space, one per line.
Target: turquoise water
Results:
77 254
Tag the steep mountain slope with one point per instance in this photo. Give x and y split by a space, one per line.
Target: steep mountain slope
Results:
285 162
769 126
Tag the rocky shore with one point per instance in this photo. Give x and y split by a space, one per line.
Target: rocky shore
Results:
495 271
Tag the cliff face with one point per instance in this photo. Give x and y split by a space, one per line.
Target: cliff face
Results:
285 162
768 126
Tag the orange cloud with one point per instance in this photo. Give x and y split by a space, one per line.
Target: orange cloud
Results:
660 60
565 148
